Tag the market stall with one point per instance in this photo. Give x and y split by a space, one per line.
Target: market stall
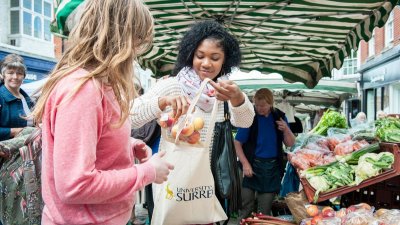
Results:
352 163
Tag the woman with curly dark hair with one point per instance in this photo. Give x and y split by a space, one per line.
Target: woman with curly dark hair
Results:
207 50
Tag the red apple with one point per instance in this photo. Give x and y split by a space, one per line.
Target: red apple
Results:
328 212
316 219
194 137
188 130
170 121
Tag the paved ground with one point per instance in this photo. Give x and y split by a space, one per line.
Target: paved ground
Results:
141 215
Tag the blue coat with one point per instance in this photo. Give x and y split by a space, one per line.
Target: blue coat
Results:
11 110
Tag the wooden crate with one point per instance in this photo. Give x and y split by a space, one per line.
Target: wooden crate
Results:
393 172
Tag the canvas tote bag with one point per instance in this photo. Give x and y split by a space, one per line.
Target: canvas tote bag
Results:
188 196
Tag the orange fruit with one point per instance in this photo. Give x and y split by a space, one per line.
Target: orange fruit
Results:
312 210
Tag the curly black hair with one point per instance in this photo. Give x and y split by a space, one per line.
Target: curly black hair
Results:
208 29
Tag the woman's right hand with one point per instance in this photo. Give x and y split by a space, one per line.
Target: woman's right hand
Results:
247 170
179 104
162 167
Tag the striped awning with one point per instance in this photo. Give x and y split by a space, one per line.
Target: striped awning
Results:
303 40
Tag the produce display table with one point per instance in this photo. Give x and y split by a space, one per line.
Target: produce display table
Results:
387 174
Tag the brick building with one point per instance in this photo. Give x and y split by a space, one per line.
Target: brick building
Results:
379 60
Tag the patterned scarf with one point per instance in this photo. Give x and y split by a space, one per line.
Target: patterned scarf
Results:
190 82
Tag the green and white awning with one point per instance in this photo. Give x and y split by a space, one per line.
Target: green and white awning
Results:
303 40
65 13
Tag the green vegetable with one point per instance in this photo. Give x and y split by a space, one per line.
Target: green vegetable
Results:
371 165
354 157
329 119
320 184
388 129
329 177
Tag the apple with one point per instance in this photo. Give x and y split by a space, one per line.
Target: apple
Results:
183 138
316 219
194 137
198 123
187 130
170 121
328 212
312 210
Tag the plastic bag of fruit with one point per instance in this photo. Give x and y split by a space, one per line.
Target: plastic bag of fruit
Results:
388 217
189 133
330 221
360 217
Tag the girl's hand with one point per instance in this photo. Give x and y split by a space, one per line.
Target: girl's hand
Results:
142 151
179 104
161 166
227 90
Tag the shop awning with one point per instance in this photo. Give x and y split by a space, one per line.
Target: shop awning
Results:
301 39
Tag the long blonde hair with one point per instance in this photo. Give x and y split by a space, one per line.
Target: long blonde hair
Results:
107 39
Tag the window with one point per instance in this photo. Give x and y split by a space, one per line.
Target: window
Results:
28 4
27 23
14 19
350 64
371 45
47 9
14 3
378 99
389 30
38 6
37 27
47 33
386 98
370 104
35 15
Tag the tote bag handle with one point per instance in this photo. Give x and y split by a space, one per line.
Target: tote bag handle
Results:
189 113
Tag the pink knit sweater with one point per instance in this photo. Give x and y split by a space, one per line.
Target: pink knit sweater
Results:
88 172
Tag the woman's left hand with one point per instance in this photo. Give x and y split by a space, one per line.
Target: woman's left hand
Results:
227 90
282 125
142 151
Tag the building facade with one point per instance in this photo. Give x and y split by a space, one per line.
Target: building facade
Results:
25 30
380 69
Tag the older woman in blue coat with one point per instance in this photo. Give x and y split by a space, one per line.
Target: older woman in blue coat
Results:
15 104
